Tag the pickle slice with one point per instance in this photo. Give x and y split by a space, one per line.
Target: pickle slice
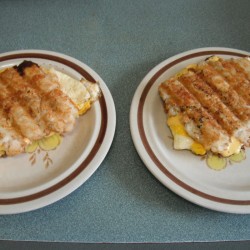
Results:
2 150
31 147
50 143
216 162
238 157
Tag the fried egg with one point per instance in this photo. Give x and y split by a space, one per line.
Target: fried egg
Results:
82 92
182 140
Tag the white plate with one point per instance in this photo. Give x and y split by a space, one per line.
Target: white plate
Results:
31 181
181 171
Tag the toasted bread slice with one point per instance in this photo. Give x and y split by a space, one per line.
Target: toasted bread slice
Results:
211 107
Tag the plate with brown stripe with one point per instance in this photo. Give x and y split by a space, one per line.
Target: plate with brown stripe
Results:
30 181
181 171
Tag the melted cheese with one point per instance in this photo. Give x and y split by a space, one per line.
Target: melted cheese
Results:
183 141
233 148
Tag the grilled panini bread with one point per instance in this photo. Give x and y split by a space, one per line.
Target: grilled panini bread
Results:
36 102
208 106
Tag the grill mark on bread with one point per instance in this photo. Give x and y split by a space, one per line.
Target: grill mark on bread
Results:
18 114
235 75
226 93
29 97
58 110
244 64
45 82
10 135
207 129
210 101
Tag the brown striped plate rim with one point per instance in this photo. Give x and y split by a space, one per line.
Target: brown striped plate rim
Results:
98 151
145 150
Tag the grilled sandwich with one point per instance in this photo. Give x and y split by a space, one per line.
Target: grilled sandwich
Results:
208 106
37 102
